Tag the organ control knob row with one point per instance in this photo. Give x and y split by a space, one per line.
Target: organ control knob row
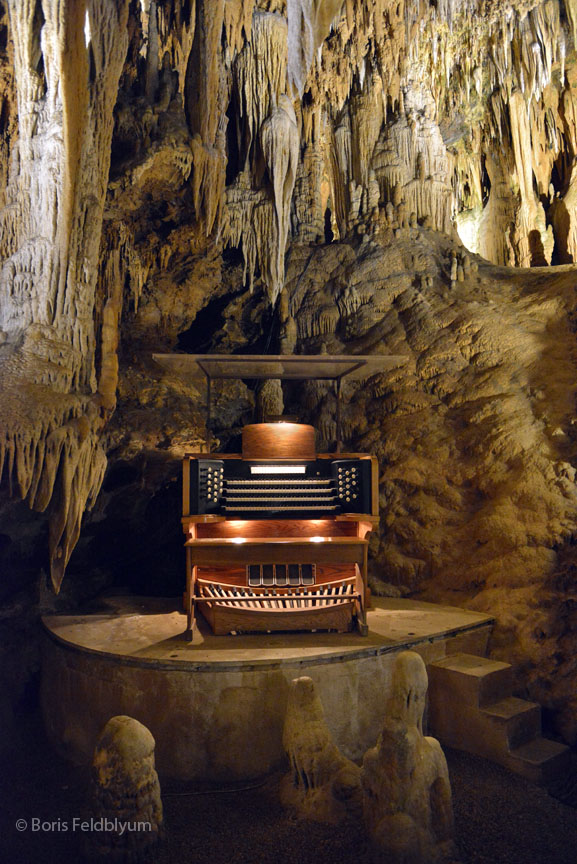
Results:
214 482
348 487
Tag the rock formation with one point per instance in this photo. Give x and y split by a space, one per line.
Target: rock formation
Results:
167 167
280 143
406 790
66 84
126 791
322 784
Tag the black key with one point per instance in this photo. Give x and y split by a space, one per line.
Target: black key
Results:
281 574
308 574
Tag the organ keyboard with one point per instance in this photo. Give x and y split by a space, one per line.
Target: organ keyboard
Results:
278 543
323 487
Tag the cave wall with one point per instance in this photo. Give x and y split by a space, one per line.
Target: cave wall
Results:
169 169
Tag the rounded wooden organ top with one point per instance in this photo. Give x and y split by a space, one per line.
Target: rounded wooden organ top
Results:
278 441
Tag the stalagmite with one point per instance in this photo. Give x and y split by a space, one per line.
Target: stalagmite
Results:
125 791
406 790
453 269
322 784
269 401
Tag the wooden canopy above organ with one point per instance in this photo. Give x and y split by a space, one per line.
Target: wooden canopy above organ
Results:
276 537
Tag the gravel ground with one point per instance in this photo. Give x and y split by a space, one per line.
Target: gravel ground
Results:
500 819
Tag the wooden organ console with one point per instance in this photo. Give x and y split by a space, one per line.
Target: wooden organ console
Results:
277 536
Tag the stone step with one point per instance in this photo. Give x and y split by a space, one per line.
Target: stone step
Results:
540 760
473 681
519 720
489 733
471 709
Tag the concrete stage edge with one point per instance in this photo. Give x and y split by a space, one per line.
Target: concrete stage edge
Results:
216 706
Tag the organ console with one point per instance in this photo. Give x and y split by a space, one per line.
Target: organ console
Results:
277 536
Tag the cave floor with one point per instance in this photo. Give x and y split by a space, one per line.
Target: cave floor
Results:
500 818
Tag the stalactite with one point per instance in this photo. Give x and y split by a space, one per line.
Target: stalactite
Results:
251 225
238 23
124 264
366 113
260 83
530 216
50 434
309 22
411 162
512 56
280 143
205 103
175 27
208 181
310 199
108 379
260 76
81 465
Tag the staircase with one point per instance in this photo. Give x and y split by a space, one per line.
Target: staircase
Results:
471 708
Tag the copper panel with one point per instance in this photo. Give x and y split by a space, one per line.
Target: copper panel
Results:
278 441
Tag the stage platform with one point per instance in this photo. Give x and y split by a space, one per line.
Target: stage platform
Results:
216 706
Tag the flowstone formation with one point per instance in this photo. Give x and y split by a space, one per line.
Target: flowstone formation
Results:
126 792
407 803
322 785
475 434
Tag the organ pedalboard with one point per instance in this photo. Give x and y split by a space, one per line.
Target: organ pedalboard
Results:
278 544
